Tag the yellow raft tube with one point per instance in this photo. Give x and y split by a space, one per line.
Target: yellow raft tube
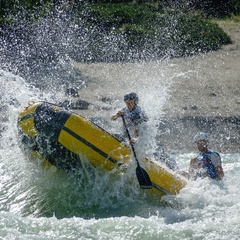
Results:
61 137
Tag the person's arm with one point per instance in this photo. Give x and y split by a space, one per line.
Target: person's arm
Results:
193 165
136 132
144 116
196 169
216 160
135 136
117 115
220 172
191 172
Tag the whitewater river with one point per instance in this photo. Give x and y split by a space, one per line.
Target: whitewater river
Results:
36 203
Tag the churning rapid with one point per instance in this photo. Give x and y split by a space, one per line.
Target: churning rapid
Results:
40 203
37 203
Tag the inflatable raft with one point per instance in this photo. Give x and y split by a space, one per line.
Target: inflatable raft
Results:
63 138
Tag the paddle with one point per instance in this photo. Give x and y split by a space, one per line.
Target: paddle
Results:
142 175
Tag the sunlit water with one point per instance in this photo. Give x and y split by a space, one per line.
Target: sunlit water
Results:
37 203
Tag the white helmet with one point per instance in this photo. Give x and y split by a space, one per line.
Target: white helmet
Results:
201 136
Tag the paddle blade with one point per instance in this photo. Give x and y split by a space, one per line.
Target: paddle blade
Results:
143 178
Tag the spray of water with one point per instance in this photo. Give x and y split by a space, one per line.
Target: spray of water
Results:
44 54
31 189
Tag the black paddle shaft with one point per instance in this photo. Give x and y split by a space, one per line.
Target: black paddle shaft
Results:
142 175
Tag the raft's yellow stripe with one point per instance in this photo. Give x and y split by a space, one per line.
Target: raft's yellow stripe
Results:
82 137
26 120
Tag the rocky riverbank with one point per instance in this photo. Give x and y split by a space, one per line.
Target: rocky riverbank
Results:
203 94
206 99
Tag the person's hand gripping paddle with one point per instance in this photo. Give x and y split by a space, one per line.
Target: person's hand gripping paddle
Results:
142 175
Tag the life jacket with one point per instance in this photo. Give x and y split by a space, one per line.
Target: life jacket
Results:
207 164
135 117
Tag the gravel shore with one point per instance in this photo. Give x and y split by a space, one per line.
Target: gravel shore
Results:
203 95
207 98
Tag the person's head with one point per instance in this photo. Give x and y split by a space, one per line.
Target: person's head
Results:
131 100
201 139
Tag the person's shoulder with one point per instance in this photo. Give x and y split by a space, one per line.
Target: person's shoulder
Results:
214 153
138 108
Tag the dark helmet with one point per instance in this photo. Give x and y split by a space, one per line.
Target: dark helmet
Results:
131 96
